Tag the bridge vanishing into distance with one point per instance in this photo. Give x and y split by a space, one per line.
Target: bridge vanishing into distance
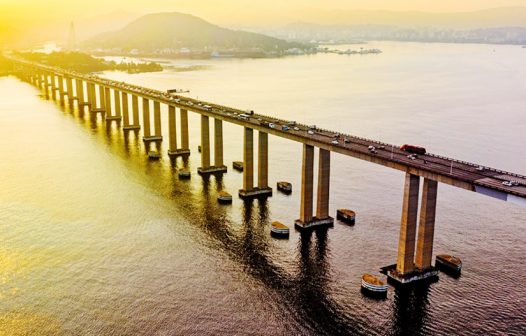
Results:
415 249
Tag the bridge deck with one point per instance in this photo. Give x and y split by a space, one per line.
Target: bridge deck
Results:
488 181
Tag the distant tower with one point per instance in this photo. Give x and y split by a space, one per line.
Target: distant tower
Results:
71 38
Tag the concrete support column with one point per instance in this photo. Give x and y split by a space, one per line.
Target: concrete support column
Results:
80 92
117 103
157 119
426 227
406 244
69 85
135 106
60 84
172 130
248 159
46 85
105 101
306 183
324 172
54 91
146 117
61 89
125 110
94 97
218 143
91 96
262 160
205 142
185 143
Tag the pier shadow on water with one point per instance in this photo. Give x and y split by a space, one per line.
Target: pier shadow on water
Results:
410 310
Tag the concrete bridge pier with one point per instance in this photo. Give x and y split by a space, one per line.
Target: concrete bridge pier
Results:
55 87
97 106
46 85
81 101
116 105
185 142
249 191
135 110
146 120
105 101
52 86
426 226
218 166
90 93
322 219
69 86
125 109
263 161
61 92
324 173
406 270
172 134
157 121
92 101
205 145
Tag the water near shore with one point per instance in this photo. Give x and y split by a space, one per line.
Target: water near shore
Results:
96 239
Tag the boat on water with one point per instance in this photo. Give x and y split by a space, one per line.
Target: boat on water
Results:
285 187
224 197
373 284
238 165
154 155
279 230
448 262
184 174
346 215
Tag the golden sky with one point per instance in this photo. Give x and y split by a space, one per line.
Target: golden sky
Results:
237 10
38 16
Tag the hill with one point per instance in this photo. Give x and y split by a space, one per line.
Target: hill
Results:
153 33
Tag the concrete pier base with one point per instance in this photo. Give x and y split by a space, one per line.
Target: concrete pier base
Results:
152 138
255 193
113 118
314 223
131 127
411 278
211 169
179 152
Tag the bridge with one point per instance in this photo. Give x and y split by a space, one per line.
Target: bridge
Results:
415 247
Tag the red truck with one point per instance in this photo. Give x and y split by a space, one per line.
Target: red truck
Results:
413 149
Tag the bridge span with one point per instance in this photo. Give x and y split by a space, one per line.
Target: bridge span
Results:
415 249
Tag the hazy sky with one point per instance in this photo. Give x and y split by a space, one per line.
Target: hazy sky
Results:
233 11
38 17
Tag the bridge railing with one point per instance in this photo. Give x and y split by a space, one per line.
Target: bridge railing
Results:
160 94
